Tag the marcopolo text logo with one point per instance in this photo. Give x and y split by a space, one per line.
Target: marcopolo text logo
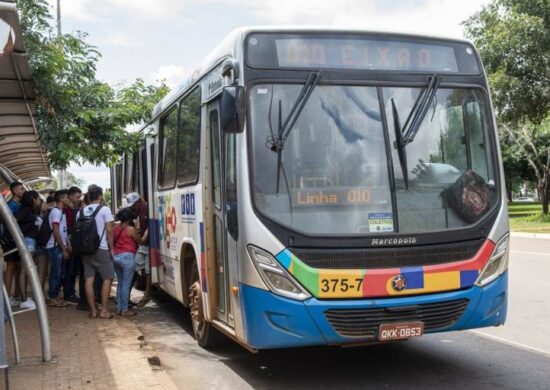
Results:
393 241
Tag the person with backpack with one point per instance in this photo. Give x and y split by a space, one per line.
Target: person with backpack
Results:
92 238
12 260
58 246
27 219
126 240
70 266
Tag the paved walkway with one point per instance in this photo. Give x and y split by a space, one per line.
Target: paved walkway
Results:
88 354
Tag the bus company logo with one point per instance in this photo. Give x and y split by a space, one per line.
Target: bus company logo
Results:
188 204
393 241
399 283
187 208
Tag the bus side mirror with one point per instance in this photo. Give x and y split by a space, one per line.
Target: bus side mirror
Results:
232 110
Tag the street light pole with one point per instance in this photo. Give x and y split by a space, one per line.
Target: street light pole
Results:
58 19
61 175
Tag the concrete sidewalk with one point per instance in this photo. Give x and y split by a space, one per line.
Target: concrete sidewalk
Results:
88 354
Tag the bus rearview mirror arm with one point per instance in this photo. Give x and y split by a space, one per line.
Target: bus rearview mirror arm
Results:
232 109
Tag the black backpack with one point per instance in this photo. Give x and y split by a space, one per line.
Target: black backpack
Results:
85 239
45 231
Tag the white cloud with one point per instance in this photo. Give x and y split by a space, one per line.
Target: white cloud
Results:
171 74
92 174
437 17
103 10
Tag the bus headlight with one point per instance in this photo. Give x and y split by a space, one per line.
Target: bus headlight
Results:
275 276
497 264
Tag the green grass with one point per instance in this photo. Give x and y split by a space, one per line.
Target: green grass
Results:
528 217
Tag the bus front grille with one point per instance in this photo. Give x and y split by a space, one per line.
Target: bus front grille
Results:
387 257
364 323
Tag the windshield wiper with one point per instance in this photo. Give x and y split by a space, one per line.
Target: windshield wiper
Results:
277 143
419 110
406 135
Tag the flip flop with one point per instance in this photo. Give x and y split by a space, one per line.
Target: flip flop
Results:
109 317
128 313
92 316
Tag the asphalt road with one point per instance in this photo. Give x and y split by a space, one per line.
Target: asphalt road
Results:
515 356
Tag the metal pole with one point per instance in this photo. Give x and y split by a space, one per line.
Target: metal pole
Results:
12 323
3 348
58 19
28 262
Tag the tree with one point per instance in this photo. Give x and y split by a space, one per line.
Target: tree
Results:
513 37
79 118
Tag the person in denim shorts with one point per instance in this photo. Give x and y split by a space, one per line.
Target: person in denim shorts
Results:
26 218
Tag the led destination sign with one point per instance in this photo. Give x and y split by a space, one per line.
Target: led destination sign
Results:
383 54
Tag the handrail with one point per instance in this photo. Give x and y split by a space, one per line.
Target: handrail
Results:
12 324
28 263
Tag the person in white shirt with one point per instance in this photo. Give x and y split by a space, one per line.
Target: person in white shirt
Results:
58 247
102 260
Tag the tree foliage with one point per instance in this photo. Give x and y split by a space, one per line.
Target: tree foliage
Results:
79 118
513 38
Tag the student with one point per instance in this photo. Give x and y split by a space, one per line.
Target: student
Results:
12 260
70 266
101 259
41 255
27 219
126 239
58 247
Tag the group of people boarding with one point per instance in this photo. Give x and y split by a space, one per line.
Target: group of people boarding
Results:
73 234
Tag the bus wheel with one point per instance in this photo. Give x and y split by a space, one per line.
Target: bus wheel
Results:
204 332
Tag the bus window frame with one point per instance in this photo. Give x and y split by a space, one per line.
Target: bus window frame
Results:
160 163
180 107
134 177
291 236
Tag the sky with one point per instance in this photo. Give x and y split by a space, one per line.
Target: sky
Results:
166 39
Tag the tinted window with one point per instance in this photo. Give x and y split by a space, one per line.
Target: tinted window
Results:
189 138
168 142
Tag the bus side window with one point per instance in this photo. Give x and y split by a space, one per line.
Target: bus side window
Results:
118 175
189 138
168 151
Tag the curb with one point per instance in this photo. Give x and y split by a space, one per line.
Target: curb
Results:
543 236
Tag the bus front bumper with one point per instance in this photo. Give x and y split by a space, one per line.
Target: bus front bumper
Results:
271 321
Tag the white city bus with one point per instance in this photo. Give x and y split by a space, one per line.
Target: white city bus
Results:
312 186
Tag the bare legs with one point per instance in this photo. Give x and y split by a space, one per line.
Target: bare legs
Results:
105 292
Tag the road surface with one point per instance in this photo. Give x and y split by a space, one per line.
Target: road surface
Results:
515 356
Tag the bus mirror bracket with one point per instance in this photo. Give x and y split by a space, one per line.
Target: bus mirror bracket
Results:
232 109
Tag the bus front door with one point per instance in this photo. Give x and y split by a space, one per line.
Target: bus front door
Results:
217 248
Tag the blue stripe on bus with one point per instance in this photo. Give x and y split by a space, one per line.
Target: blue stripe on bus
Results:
414 277
154 233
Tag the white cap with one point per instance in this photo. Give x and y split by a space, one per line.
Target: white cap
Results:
132 198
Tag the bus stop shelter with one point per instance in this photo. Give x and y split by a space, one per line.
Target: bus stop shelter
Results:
20 150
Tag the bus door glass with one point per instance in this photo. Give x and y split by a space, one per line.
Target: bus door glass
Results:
217 141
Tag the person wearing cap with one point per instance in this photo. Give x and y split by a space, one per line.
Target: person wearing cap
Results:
139 207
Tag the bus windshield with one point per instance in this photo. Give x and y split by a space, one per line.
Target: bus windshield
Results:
336 167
